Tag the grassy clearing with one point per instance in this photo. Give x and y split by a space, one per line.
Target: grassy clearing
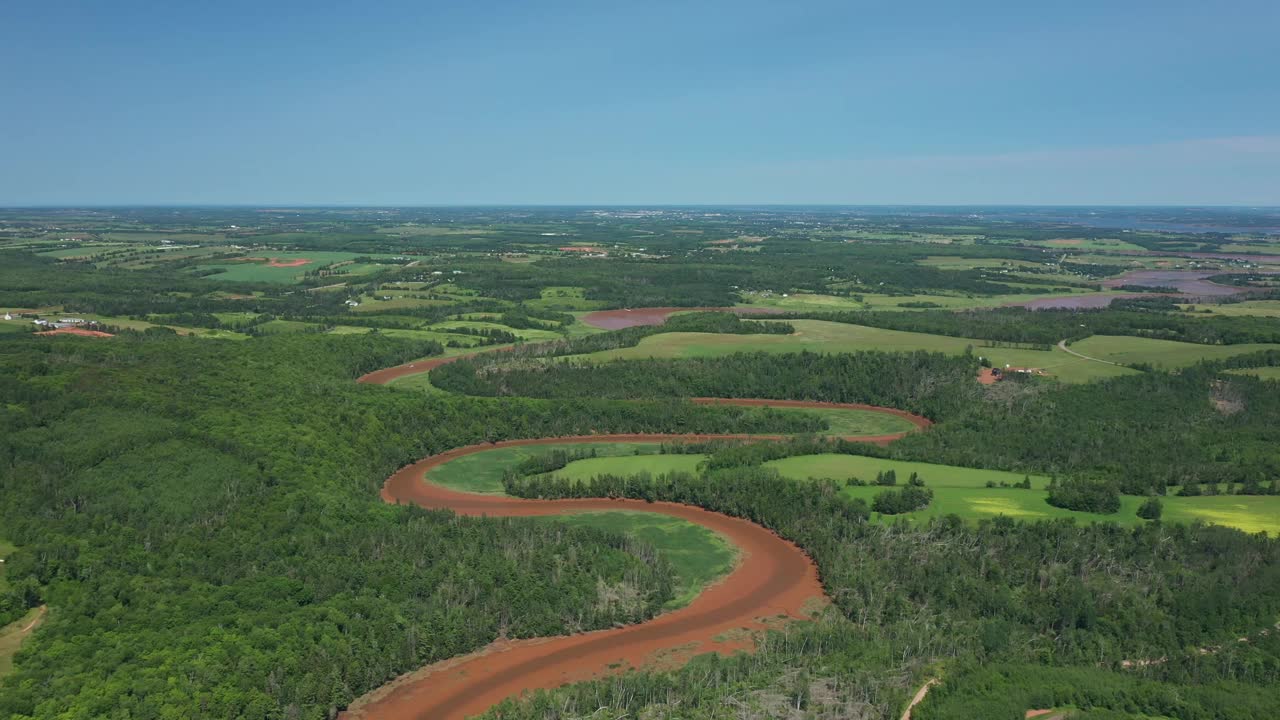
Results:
1251 513
1266 373
375 303
11 639
831 337
947 262
1087 244
963 492
799 302
282 327
261 271
564 298
482 472
525 334
698 555
6 549
1257 308
23 325
1159 353
579 470
841 467
852 423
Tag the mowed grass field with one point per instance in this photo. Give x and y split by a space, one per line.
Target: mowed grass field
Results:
698 555
482 472
1160 353
963 492
874 301
957 490
831 337
580 470
1258 308
1266 373
851 423
261 271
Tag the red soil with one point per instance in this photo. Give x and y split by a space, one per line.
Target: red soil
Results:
80 332
617 319
580 248
386 375
986 376
773 580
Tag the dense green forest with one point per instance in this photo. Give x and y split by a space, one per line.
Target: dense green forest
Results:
932 384
212 506
202 516
1050 595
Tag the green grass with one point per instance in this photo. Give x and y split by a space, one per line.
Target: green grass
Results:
260 271
579 470
525 334
482 472
852 423
11 640
832 337
699 556
564 297
1087 244
281 327
6 549
374 303
841 467
1159 353
17 325
963 492
1266 373
1251 513
1257 308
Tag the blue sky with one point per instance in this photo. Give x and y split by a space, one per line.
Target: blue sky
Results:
639 102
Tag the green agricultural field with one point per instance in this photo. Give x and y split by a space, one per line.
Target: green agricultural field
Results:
1159 353
962 491
84 251
1266 373
801 302
375 303
699 556
1251 513
524 334
1258 308
261 271
1088 244
947 262
580 470
22 325
278 327
842 467
832 337
482 472
564 298
17 325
